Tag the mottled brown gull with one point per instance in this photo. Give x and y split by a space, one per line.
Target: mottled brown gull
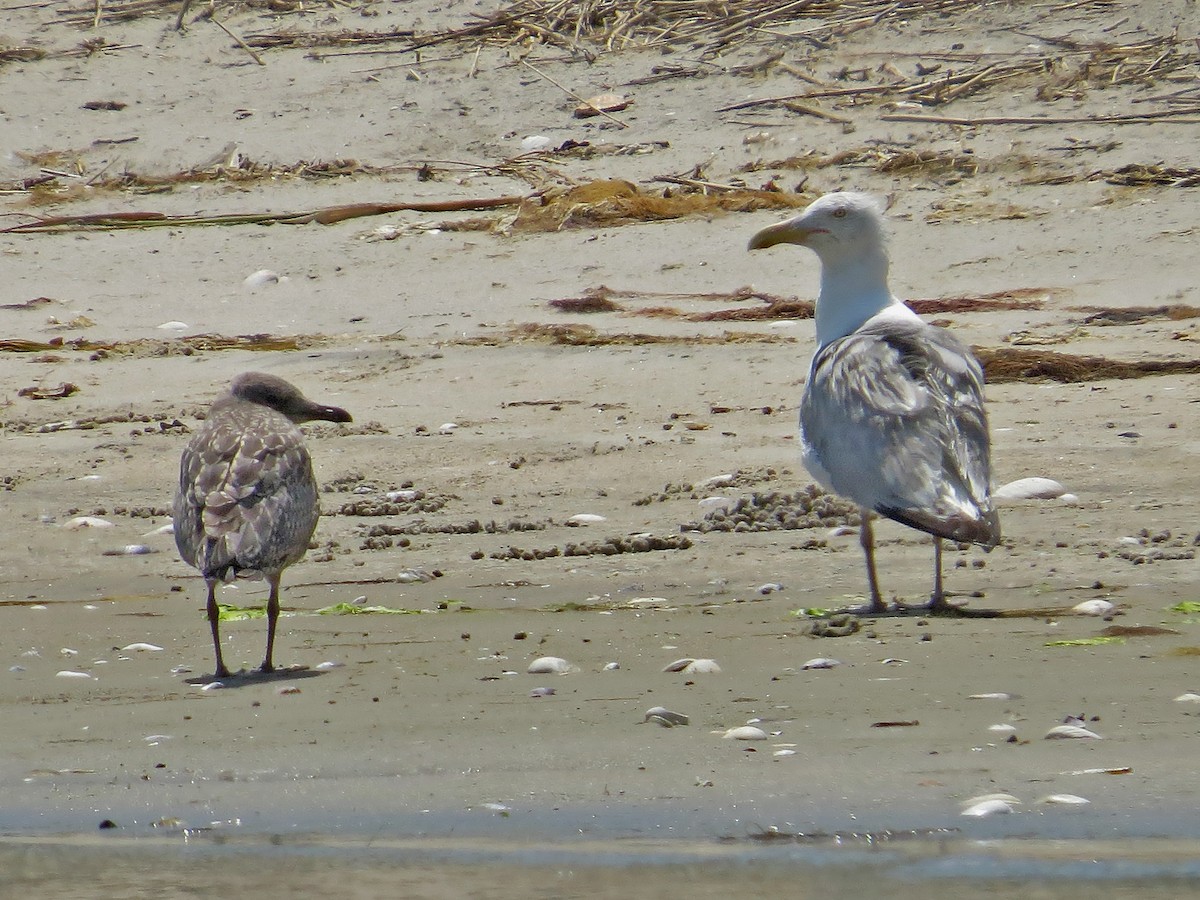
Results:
247 502
892 415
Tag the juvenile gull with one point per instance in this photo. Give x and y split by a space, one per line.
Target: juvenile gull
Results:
247 501
892 415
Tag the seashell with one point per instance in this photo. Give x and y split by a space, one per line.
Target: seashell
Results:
31 654
784 752
16 668
745 733
1065 800
550 665
169 528
1061 732
174 326
180 670
67 651
689 666
660 715
495 807
535 143
140 646
447 428
821 662
67 673
1003 728
994 695
1093 608
262 278
1035 488
1189 697
719 480
711 503
585 519
988 808
131 550
403 496
542 692
769 588
156 738
414 576
328 664
212 686
80 522
612 666
593 106
995 795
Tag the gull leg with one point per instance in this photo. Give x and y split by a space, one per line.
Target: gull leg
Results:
272 618
214 624
866 537
937 600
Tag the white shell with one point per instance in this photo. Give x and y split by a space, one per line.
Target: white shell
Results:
612 666
156 738
719 480
448 428
67 673
1093 608
1003 728
1035 488
79 522
549 665
174 326
745 733
784 752
328 664
1189 697
689 666
404 496
1060 732
821 662
770 587
586 519
715 503
535 143
139 646
212 686
660 715
262 278
993 695
988 808
1065 800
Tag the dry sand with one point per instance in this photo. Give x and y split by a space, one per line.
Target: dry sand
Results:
410 324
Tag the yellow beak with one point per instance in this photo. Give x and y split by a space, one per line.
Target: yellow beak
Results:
782 233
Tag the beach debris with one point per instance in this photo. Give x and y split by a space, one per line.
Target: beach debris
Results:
1093 608
611 666
327 665
68 651
1071 732
784 751
499 808
821 662
415 576
80 522
212 686
285 689
1086 642
600 104
262 278
157 738
1064 800
448 428
837 625
37 392
1103 770
131 550
542 692
769 588
550 665
68 673
535 143
1034 488
586 519
708 504
173 325
990 805
745 733
994 695
689 666
140 647
1003 728
1189 697
667 718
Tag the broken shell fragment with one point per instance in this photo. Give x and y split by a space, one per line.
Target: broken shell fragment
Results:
745 733
586 519
689 666
140 646
994 695
80 522
1035 488
660 715
601 103
821 662
1065 800
1061 732
1093 608
550 665
983 808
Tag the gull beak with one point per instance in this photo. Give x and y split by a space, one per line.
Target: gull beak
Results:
789 232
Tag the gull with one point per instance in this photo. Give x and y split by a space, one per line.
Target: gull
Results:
247 500
892 415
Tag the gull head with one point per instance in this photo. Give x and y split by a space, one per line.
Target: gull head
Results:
283 397
837 226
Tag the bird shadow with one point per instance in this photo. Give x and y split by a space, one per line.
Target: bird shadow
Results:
248 677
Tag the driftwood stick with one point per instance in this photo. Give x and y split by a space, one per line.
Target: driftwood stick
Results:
1117 119
254 56
571 93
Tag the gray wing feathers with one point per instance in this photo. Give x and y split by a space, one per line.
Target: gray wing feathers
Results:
247 497
894 415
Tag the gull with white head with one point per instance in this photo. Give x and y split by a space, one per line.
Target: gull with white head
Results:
892 415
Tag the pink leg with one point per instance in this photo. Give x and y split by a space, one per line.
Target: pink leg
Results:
866 537
214 623
272 618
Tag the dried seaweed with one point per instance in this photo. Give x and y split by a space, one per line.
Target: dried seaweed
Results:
1138 315
184 346
1011 364
586 336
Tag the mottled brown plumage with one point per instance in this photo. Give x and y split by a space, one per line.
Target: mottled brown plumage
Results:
247 501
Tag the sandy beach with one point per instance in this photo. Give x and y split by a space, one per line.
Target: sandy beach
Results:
534 317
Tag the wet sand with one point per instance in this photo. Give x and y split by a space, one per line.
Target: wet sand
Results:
412 325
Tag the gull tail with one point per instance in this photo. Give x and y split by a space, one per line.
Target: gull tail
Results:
983 529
